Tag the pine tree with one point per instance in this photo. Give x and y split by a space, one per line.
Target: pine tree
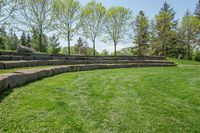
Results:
54 45
28 41
79 46
36 42
197 10
142 34
23 39
165 27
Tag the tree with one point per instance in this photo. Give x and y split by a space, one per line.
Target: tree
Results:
67 18
23 39
36 15
104 52
7 7
3 38
197 10
81 47
28 41
12 41
93 19
35 42
189 29
117 24
165 26
54 45
142 34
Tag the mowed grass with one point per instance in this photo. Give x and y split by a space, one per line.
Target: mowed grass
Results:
142 100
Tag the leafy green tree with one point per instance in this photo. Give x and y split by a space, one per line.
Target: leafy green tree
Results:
127 51
189 29
142 34
36 16
165 26
93 19
54 45
65 51
67 18
117 25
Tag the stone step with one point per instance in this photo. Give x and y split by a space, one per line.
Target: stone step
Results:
21 77
9 56
32 63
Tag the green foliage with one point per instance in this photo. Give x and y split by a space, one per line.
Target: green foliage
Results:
36 16
117 24
93 19
104 52
127 51
197 10
54 45
164 28
67 18
12 41
142 34
197 56
81 47
37 44
23 39
189 29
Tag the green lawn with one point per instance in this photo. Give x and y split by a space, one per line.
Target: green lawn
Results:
101 101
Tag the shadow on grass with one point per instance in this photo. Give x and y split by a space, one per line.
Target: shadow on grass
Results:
4 94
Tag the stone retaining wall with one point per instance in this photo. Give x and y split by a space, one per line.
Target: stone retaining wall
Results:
24 56
19 78
32 63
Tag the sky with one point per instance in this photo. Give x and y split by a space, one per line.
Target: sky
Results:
150 7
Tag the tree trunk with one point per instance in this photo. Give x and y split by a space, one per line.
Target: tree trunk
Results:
69 50
115 49
40 42
140 50
189 51
94 51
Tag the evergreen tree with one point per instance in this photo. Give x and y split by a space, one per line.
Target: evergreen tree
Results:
23 39
36 42
54 45
79 47
142 34
28 41
3 38
165 27
197 10
12 41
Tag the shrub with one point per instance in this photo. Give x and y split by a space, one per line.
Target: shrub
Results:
197 56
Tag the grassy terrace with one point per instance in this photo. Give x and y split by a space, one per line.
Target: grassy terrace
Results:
118 100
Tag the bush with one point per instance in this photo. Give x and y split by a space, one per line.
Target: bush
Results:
197 56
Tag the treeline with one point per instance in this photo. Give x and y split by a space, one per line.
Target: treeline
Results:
67 19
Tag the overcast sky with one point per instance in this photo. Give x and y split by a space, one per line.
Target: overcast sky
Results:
150 7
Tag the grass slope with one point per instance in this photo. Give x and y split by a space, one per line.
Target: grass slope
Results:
118 100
